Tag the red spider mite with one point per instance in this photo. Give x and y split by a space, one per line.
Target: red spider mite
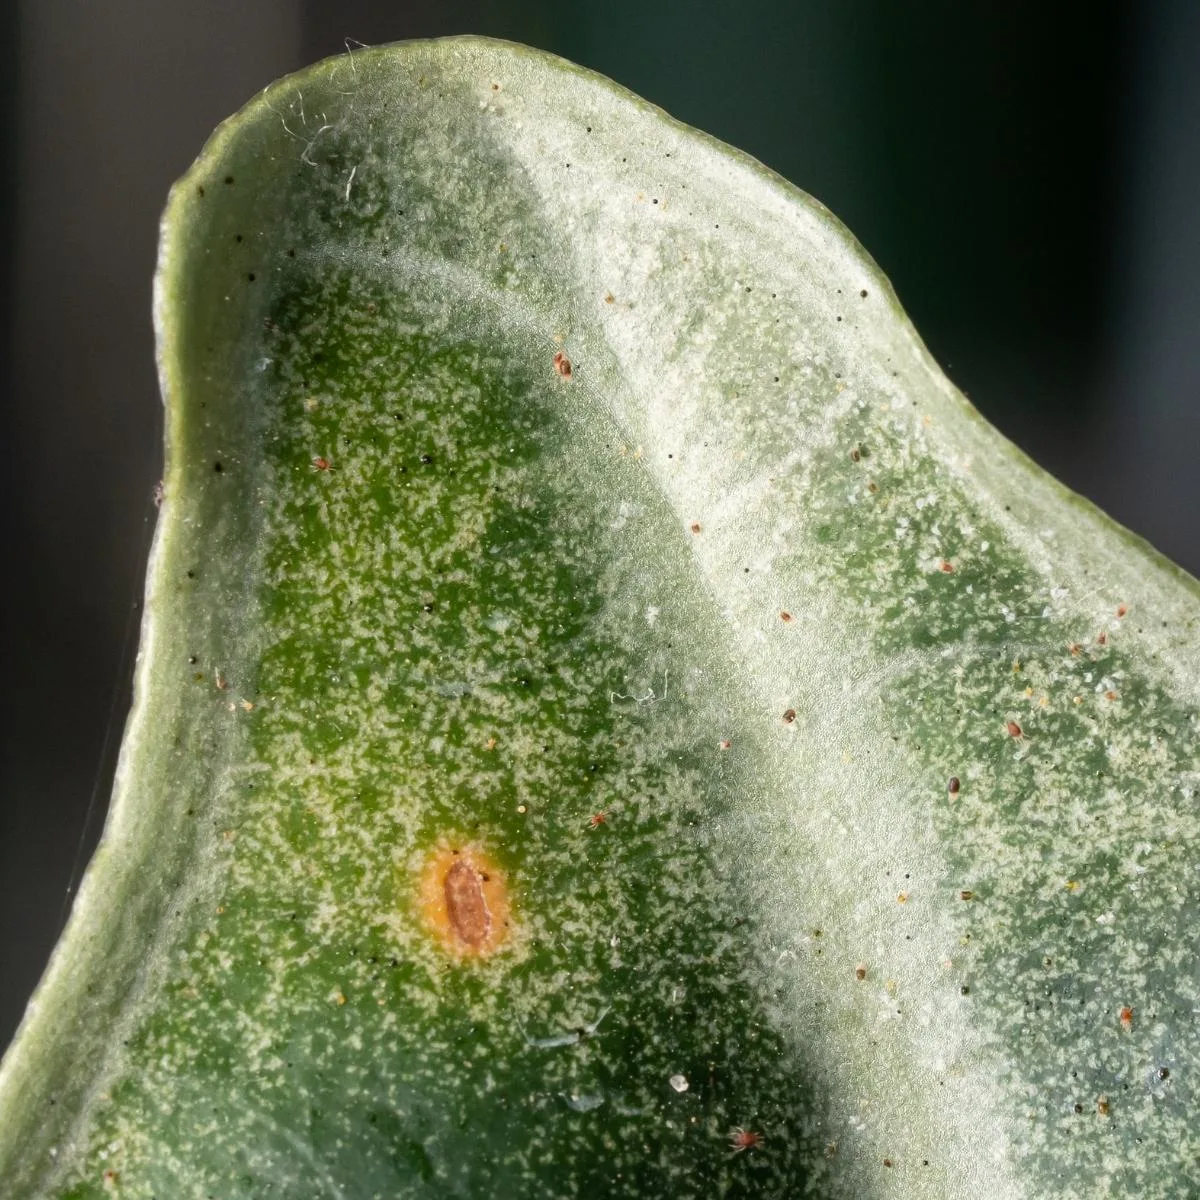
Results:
598 819
1014 730
744 1139
562 364
321 463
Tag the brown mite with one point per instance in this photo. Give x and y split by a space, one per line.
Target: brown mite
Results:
562 364
1014 730
953 786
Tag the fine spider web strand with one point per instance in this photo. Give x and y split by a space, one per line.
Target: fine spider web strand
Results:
122 681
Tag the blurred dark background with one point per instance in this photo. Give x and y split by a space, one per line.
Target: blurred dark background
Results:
1027 174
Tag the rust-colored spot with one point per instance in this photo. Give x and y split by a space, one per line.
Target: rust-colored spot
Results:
789 716
562 364
1014 730
785 616
464 901
953 786
946 567
466 908
609 298
1126 1018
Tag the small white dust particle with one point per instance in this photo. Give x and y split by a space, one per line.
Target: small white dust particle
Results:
651 614
520 808
679 1082
1106 918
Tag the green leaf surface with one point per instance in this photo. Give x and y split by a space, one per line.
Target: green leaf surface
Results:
555 492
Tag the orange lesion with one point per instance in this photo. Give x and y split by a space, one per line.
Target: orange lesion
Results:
464 900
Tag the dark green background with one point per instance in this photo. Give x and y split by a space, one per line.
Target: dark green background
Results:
1027 174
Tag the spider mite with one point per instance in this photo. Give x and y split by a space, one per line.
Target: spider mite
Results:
321 463
744 1139
1014 730
598 819
1125 1016
562 364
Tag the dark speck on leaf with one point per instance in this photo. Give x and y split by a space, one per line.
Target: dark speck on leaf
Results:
218 468
427 458
228 178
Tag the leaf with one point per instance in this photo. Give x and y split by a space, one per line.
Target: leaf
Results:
611 718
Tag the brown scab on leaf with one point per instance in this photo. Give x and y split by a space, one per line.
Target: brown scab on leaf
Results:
466 908
562 364
464 901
